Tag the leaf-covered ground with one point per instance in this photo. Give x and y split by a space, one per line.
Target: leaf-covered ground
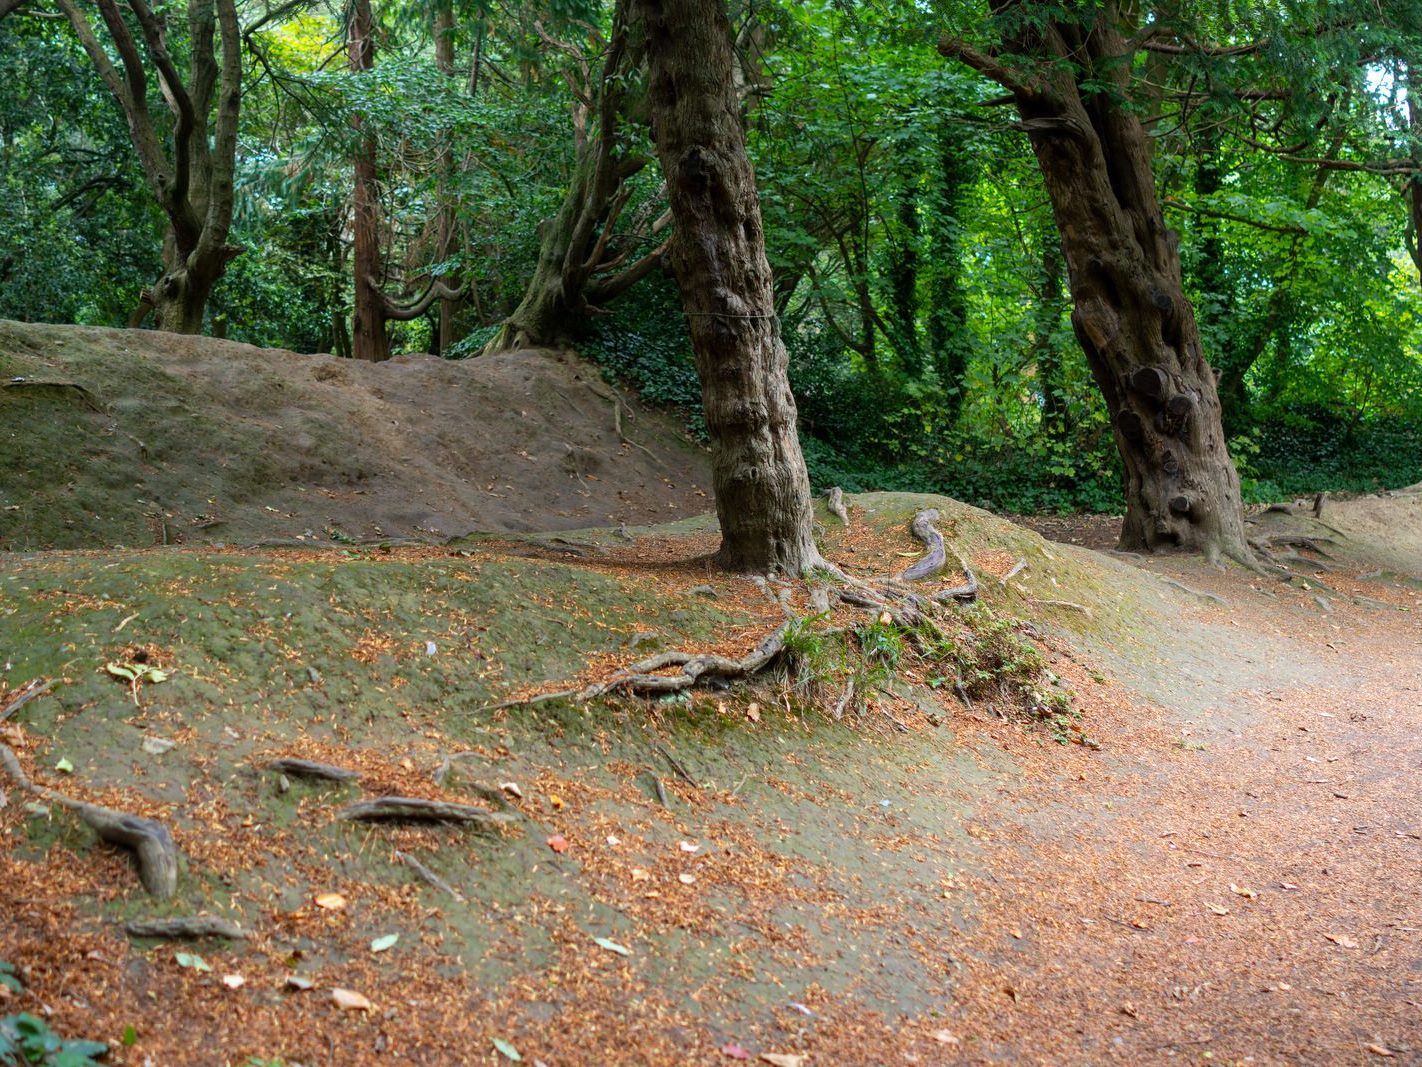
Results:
1230 875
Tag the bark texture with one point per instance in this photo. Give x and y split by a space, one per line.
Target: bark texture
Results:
582 262
1130 314
191 176
718 255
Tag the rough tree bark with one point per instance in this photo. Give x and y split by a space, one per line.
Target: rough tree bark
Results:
191 178
1131 316
374 309
581 263
718 256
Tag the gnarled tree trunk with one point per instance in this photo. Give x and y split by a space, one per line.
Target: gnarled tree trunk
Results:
192 181
1131 316
718 255
581 263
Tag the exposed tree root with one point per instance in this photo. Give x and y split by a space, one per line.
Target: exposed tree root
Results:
937 557
1202 594
31 689
428 876
1017 568
414 809
305 768
836 505
181 928
148 839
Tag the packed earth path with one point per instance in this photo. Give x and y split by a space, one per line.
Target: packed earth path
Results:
1224 869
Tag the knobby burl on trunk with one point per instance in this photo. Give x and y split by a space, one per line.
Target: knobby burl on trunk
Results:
718 256
1070 82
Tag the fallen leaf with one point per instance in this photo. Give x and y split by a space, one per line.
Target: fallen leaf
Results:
1218 909
558 843
64 766
1287 885
380 944
408 763
1130 1009
1342 940
556 801
612 946
753 713
233 981
734 1051
945 1037
192 961
349 1000
640 875
330 901
613 841
686 879
505 1049
784 1059
885 618
1378 1050
688 846
512 789
295 981
1237 891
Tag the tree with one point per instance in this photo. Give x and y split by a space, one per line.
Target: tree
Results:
374 309
1070 79
582 263
191 179
718 255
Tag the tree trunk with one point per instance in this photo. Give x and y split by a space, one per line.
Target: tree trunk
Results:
1055 414
369 341
193 180
446 331
1131 316
948 337
718 256
581 263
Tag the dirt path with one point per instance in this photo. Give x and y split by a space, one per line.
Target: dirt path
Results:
1238 882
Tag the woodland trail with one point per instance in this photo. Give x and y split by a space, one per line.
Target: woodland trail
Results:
1248 893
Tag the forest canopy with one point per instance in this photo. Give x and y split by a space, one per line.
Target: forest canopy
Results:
455 177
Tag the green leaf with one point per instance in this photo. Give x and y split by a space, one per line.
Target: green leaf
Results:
380 944
189 959
64 766
612 946
130 1036
507 1050
119 670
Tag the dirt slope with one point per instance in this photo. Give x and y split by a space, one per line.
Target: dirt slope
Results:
119 437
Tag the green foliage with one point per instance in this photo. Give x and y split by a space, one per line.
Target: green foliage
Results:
27 1041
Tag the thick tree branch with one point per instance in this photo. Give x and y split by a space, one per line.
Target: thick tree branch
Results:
437 290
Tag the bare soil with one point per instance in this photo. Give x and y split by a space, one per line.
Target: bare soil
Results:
127 437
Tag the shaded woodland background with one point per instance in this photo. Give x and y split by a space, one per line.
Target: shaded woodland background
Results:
480 156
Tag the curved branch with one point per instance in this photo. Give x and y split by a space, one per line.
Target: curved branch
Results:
398 312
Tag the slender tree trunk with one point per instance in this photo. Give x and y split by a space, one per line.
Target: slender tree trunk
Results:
447 331
948 337
369 340
1131 316
1055 420
903 274
718 255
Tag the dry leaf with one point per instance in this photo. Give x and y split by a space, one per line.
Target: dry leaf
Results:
1237 891
556 801
784 1059
558 843
1342 940
613 841
408 763
295 981
689 846
233 981
1130 1009
512 789
686 879
348 1000
734 1051
640 875
945 1037
330 901
1378 1050
1218 909
753 713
